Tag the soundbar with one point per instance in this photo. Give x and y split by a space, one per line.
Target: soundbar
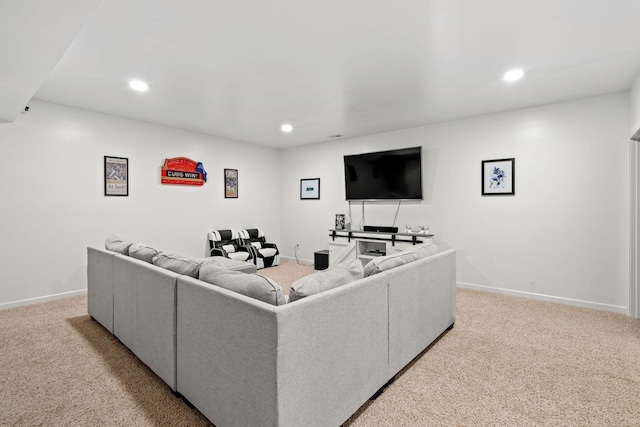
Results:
380 228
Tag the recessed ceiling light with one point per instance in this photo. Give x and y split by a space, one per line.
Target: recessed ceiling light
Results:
513 75
138 85
286 128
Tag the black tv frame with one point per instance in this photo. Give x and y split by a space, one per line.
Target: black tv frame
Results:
396 151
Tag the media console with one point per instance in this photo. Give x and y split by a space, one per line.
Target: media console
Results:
365 245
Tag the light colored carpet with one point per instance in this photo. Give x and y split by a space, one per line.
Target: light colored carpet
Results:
507 362
519 362
287 272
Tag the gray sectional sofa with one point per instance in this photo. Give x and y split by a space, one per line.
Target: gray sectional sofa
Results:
244 362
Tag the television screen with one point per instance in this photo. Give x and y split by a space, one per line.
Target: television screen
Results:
384 175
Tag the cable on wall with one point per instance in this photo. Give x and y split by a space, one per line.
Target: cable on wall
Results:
395 219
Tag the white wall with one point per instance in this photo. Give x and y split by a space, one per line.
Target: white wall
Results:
562 237
53 203
634 100
634 238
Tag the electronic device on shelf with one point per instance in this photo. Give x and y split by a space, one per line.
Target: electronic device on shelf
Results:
376 252
380 228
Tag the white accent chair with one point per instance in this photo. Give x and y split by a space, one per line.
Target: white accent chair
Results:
227 243
264 254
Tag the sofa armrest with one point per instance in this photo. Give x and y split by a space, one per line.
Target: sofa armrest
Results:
145 314
334 340
226 354
243 362
219 252
271 245
422 305
100 286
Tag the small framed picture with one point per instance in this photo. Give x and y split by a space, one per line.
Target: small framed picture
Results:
498 177
310 189
116 176
231 183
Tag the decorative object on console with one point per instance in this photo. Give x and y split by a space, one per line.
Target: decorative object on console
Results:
264 254
182 171
498 177
310 189
116 176
231 183
340 222
227 243
422 229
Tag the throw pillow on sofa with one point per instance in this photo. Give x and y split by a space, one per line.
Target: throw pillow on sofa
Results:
324 280
250 285
424 251
117 243
390 261
178 263
142 252
231 264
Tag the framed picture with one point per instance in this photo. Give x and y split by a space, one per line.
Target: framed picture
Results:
116 176
231 183
310 189
498 177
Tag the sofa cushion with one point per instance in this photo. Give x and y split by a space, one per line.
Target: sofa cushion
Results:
250 285
142 252
230 264
390 261
341 274
178 263
117 243
426 250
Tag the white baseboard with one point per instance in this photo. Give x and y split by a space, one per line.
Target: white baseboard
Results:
306 261
543 297
20 303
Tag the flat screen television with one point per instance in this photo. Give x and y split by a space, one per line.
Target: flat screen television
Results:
384 175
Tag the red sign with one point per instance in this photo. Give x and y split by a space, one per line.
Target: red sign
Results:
183 171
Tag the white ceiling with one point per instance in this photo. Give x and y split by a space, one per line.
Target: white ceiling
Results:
239 69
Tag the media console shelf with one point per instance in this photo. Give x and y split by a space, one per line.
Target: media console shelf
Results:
366 245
